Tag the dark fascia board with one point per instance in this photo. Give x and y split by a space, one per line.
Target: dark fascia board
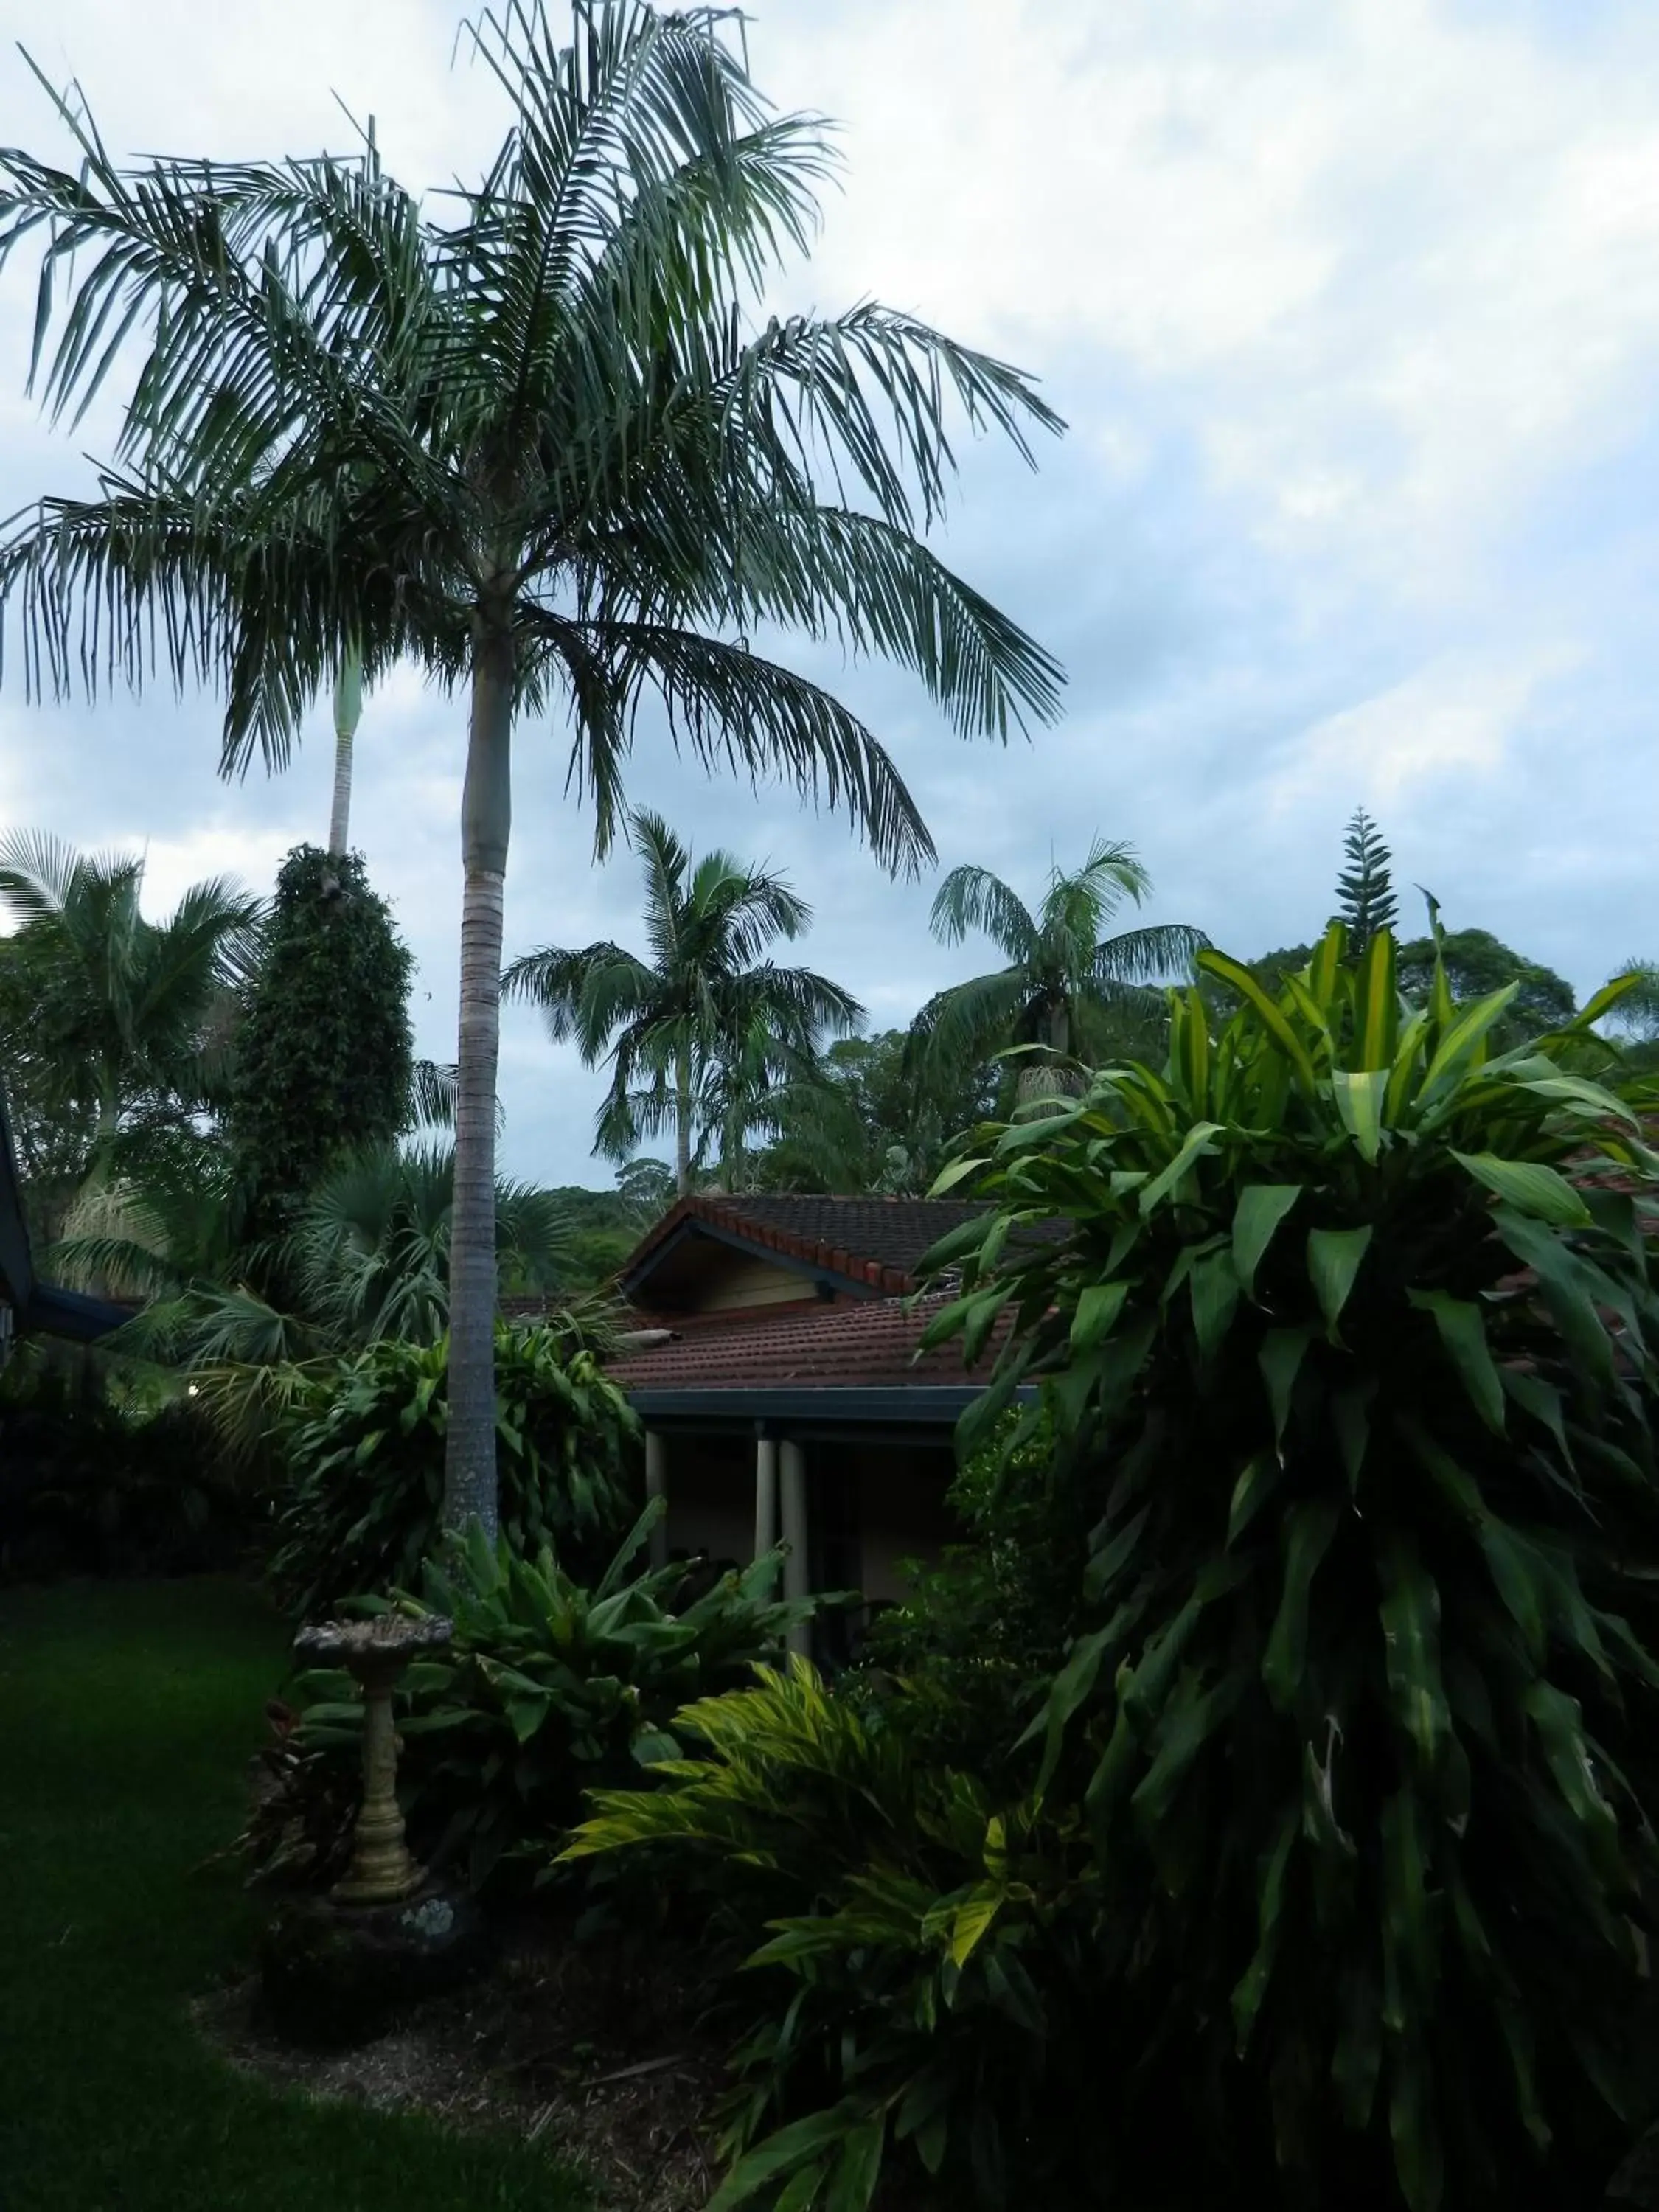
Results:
897 1406
694 1226
71 1314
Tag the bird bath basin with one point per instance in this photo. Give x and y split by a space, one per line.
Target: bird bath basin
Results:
375 1652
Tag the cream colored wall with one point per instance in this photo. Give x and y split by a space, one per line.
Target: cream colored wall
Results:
734 1280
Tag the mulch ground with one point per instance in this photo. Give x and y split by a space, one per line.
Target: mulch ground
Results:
589 2047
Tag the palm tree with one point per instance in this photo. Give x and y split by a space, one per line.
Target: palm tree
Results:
678 1025
132 1009
1064 978
367 1258
538 448
348 713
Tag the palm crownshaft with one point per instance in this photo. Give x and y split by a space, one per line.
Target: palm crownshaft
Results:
1062 968
704 1013
536 450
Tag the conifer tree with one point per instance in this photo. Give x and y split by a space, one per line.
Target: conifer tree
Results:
1364 890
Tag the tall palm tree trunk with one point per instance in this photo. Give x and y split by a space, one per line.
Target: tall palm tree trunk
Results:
348 709
682 1125
470 1494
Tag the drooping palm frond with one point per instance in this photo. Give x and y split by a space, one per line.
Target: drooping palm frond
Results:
972 1020
1164 953
973 898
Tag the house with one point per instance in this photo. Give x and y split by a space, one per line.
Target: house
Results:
27 1305
776 1363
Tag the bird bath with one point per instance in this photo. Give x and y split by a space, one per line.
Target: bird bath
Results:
375 1652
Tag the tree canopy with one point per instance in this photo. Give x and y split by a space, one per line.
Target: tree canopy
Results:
1066 976
703 1018
324 1061
531 435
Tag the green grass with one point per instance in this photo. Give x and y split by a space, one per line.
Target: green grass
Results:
127 1716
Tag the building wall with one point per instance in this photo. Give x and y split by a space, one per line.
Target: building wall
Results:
871 1509
734 1280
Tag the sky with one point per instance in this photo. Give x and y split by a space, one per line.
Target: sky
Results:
1351 307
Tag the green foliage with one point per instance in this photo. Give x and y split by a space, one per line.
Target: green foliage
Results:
550 1687
1477 963
94 1480
873 1115
52 1132
1351 1354
114 1029
323 1057
1066 987
984 1631
901 1915
1365 902
359 1513
707 1018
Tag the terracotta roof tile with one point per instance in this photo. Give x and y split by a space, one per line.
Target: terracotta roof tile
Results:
831 1347
878 1241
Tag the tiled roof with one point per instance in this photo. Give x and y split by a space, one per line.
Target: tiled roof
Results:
829 1348
878 1241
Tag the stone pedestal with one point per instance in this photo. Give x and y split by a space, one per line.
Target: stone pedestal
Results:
376 1652
333 1975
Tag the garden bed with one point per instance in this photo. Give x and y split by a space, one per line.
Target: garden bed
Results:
590 2046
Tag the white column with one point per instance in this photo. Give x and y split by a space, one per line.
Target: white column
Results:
796 1581
766 1495
656 1485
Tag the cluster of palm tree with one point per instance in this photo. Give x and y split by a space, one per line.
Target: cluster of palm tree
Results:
118 1043
709 1038
533 438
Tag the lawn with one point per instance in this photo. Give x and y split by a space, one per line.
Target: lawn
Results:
127 1716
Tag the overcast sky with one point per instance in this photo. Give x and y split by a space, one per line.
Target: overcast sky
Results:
1353 306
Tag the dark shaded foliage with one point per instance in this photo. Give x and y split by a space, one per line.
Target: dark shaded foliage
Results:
324 1054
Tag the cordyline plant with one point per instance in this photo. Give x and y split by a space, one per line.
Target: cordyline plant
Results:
1353 1338
543 448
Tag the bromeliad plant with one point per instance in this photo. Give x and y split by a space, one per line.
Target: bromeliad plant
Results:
1351 1340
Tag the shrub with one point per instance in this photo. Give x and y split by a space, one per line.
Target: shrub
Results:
92 1482
983 1632
360 1512
1351 1347
895 1994
549 1687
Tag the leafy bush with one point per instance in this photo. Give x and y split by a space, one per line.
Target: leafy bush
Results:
1326 1882
983 1633
895 1992
365 1458
548 1689
94 1483
1359 1381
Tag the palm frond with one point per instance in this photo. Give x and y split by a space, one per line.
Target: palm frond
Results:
972 897
731 707
1163 953
971 1020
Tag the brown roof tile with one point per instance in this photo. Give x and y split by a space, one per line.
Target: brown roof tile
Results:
876 1240
831 1347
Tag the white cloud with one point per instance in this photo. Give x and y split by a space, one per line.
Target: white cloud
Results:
1354 306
